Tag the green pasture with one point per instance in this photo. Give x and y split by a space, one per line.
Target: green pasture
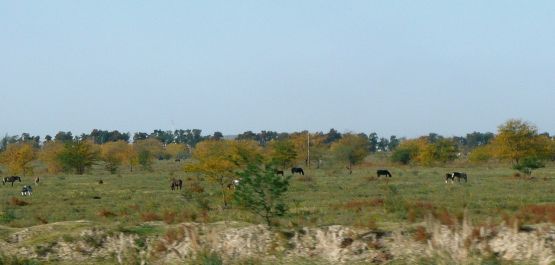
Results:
323 196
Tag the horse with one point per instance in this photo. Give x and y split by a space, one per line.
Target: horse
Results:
449 176
176 184
233 184
11 179
383 172
458 175
279 172
26 190
297 170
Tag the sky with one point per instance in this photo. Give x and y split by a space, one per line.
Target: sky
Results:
404 68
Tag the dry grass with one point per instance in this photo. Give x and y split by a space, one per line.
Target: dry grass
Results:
150 216
106 213
17 202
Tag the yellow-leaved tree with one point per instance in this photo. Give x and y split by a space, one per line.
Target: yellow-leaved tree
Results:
114 154
518 139
49 156
177 151
17 157
219 161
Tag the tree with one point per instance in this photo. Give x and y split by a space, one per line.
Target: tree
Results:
383 144
527 164
282 153
113 154
49 155
78 155
332 136
441 150
177 151
393 143
214 160
351 148
373 142
63 137
261 191
146 150
517 139
408 151
17 158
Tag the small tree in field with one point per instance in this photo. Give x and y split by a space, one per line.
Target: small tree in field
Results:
78 156
350 148
261 191
527 164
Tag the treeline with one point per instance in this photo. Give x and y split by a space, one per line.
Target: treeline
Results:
516 141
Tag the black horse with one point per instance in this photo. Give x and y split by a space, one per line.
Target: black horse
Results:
176 184
458 175
383 172
297 170
11 179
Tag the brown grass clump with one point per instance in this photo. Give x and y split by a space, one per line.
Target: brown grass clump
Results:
537 213
174 235
359 204
444 217
150 216
421 235
169 217
419 210
105 213
41 220
17 202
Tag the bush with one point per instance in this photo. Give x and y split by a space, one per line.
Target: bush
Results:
527 164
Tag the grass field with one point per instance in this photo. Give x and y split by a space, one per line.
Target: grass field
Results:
322 197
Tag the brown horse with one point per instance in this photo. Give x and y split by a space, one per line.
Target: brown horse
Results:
176 184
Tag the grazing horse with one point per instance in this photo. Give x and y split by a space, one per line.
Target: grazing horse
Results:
458 175
449 176
297 170
11 179
279 172
26 190
383 172
176 184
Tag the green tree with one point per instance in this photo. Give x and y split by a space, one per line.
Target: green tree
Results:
78 156
350 148
527 164
282 153
261 191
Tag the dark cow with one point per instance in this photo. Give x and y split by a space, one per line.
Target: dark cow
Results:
383 172
279 172
176 184
11 179
297 170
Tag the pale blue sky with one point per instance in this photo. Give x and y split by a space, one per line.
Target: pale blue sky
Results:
395 67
